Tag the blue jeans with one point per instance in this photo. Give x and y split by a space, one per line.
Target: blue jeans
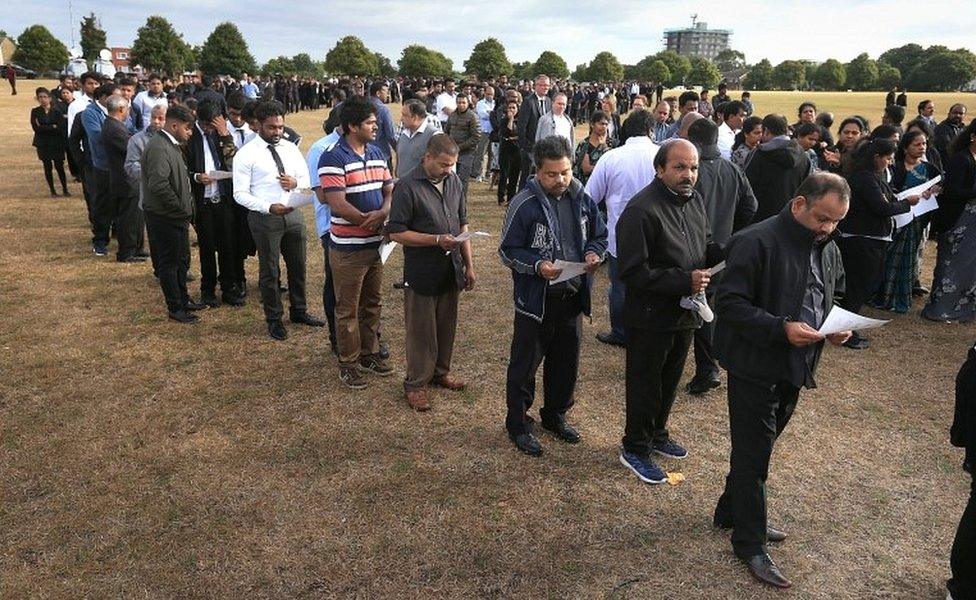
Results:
615 300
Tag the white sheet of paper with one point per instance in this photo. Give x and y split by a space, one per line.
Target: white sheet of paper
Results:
298 197
468 235
924 205
218 175
918 189
570 270
717 268
386 249
844 320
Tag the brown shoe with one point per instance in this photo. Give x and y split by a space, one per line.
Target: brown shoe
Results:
449 383
417 399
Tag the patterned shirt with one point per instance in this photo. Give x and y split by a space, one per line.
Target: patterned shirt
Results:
362 179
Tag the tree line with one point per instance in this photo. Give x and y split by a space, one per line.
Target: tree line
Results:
160 48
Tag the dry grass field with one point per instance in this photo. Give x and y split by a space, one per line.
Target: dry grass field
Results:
140 458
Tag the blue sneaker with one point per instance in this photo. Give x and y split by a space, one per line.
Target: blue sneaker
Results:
646 470
99 249
671 449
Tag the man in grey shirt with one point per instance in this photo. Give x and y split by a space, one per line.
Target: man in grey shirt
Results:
412 141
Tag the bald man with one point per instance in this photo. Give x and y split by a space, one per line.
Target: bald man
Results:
664 251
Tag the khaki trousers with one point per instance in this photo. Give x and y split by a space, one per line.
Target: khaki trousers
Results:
431 322
358 280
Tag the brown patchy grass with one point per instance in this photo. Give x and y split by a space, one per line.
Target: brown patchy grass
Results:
141 458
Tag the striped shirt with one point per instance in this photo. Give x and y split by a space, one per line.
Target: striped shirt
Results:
362 179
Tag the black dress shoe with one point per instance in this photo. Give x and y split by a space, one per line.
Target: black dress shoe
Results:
612 340
772 534
181 316
527 444
563 432
306 319
132 258
143 254
384 351
765 570
232 298
210 300
857 342
277 330
193 305
702 385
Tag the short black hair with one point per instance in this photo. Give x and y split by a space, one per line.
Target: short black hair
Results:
639 123
775 124
441 144
179 113
355 110
821 183
267 109
41 90
806 104
805 129
89 75
153 76
688 96
236 100
207 80
103 90
732 108
376 86
851 121
553 147
703 133
415 107
885 132
208 110
922 104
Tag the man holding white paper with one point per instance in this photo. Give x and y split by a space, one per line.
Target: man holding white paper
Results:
782 278
551 219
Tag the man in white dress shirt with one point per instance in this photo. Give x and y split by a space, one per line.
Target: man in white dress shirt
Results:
267 171
446 102
733 113
617 177
146 100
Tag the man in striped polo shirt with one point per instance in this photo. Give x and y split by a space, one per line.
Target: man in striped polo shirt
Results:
358 187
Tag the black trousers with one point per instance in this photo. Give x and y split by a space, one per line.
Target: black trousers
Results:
128 224
757 416
509 167
555 344
655 361
216 236
962 586
328 291
527 168
87 184
277 238
863 268
170 241
706 364
245 243
104 207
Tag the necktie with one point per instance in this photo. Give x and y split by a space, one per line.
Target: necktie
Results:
277 159
542 106
241 132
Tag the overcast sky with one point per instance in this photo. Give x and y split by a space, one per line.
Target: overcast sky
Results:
797 29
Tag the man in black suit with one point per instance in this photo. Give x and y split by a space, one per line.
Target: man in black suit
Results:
115 138
533 106
207 92
212 148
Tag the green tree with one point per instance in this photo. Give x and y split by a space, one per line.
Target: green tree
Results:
730 60
888 76
862 73
605 67
830 75
279 64
551 64
656 71
350 56
225 52
158 47
789 75
679 66
93 38
942 71
904 58
760 76
421 61
488 59
810 73
703 72
385 66
37 49
522 70
302 64
580 74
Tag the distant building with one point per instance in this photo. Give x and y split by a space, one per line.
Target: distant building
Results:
697 40
120 59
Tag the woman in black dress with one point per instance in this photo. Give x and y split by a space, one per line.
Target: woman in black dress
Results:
49 139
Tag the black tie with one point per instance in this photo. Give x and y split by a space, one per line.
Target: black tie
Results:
277 159
542 106
241 131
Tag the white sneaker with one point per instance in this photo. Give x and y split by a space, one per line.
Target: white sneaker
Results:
698 304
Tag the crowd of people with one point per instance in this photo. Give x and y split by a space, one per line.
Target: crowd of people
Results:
725 234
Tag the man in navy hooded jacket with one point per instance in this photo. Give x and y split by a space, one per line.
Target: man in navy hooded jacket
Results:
552 219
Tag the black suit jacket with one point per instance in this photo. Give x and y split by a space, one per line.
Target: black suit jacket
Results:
222 149
115 137
528 119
